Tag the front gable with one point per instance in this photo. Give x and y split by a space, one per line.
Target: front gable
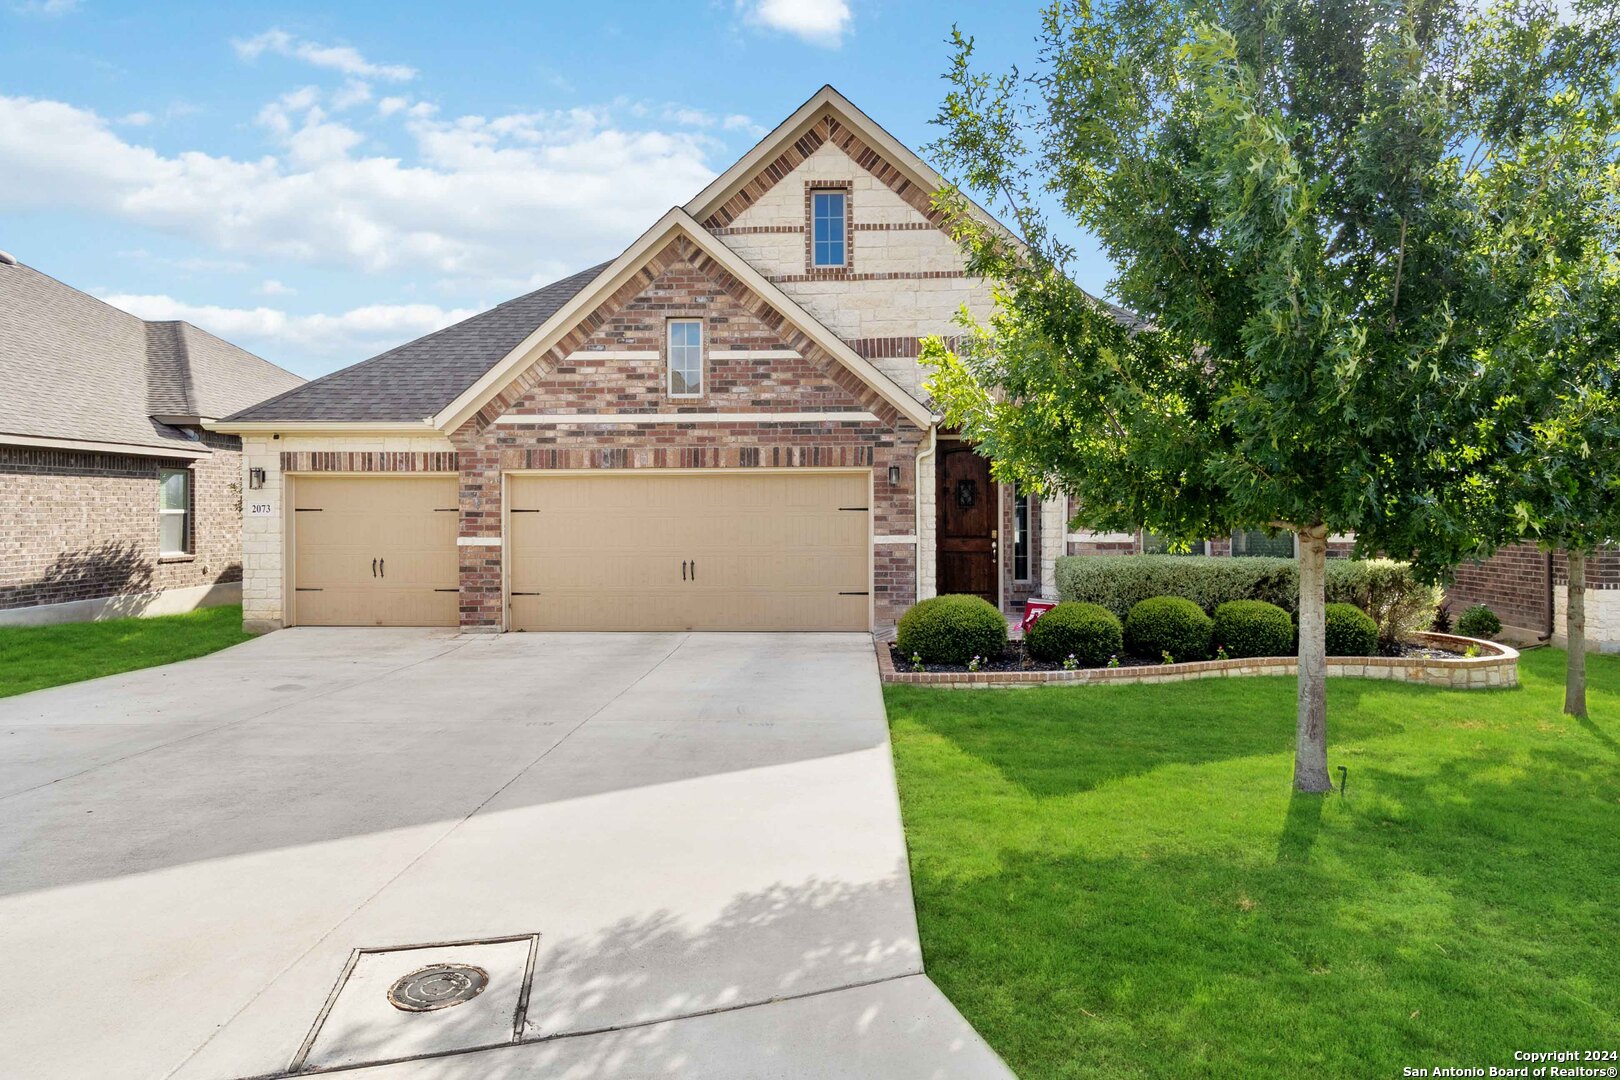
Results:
618 363
905 277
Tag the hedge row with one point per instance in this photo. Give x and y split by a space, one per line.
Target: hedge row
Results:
1398 602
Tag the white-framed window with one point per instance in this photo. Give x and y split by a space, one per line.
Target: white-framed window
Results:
829 228
685 358
1154 544
174 511
1020 532
1256 543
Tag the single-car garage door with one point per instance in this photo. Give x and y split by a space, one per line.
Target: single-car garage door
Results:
375 551
639 550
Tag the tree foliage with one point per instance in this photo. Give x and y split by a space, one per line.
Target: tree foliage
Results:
1316 298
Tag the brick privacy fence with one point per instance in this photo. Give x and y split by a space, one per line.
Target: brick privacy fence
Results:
82 526
1497 667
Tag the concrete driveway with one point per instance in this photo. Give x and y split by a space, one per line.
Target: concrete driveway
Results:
665 855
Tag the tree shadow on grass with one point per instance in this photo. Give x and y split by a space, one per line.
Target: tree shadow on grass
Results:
1456 909
1063 740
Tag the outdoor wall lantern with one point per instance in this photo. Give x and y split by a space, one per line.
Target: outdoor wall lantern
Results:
894 475
255 479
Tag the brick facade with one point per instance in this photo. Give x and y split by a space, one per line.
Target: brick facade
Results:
614 363
84 526
1513 584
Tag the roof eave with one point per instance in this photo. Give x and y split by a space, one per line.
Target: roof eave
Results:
321 427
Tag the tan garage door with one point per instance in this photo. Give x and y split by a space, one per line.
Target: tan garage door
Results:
375 551
636 550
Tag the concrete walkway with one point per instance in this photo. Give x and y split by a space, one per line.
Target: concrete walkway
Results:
678 855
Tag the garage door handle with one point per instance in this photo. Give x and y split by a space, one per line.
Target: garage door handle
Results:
683 569
382 567
694 569
373 567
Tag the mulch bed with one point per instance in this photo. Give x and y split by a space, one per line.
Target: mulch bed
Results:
1016 659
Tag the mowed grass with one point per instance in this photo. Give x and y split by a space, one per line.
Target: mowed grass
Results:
1118 882
32 658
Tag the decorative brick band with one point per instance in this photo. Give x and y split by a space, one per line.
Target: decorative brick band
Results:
403 461
690 457
876 348
842 274
1496 668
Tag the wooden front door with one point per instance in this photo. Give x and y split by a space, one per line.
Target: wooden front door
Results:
967 524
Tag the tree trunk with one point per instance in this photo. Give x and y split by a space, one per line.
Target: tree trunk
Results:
1575 629
1310 748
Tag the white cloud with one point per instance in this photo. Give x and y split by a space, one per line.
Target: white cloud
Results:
354 92
388 106
739 122
272 287
136 119
273 332
341 58
492 200
819 22
49 8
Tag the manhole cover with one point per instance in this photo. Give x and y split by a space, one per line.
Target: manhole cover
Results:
438 987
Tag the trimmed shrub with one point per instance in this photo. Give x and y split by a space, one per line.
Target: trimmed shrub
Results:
952 630
1479 621
1168 624
1253 628
1350 631
1399 604
1388 590
1090 633
1120 582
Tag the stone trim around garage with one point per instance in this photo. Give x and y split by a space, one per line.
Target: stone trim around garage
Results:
1496 667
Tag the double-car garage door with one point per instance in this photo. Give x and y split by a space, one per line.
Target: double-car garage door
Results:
620 550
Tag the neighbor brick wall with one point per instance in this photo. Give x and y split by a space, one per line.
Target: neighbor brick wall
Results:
1512 583
82 526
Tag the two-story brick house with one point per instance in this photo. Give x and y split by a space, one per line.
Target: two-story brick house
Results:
722 428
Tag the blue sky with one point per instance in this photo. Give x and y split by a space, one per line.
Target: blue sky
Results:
318 183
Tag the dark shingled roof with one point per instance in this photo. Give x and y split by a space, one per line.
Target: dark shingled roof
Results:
417 379
73 367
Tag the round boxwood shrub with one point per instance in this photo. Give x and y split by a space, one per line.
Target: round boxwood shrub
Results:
1253 628
1350 631
1479 621
1088 632
1168 624
952 630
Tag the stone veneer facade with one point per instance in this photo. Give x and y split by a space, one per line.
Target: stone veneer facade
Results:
82 526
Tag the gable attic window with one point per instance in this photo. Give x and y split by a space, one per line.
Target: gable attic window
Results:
829 227
685 357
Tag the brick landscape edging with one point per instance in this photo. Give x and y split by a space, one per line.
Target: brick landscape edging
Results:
1496 666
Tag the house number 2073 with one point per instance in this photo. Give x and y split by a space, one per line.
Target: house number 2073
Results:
259 509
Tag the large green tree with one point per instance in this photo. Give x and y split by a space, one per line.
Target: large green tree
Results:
1546 91
1286 192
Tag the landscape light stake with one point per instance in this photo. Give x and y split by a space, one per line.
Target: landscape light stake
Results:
1344 778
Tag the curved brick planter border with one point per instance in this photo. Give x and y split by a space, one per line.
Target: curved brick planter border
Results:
1496 666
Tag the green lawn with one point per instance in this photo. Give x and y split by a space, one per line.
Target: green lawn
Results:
32 658
1116 881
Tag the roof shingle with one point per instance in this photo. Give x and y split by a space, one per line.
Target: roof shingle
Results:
74 367
417 379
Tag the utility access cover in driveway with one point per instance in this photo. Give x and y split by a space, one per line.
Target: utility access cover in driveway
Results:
419 1000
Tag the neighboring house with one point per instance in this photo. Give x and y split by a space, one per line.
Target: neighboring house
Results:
116 500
